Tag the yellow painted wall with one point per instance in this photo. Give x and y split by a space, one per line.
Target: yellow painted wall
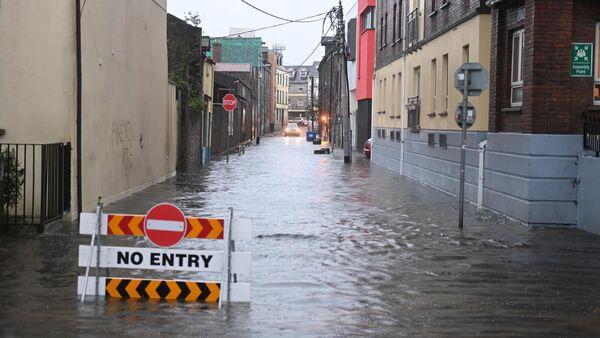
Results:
391 94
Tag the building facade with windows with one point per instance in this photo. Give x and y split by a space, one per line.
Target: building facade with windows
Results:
281 97
544 94
299 89
365 67
419 46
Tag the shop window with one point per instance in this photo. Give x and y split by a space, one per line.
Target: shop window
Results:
516 82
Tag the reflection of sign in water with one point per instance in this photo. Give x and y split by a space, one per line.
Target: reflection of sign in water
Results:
581 59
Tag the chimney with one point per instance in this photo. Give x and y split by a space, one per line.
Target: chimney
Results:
217 52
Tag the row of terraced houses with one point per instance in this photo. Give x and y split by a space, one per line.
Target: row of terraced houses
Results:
531 152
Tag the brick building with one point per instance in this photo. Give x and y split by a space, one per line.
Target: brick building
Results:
537 104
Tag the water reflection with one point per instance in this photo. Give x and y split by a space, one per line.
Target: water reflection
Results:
337 250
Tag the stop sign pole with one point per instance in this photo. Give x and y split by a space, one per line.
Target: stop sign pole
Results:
229 104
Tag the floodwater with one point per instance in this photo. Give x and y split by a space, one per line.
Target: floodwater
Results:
337 250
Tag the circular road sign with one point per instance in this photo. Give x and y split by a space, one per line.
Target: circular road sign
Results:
229 102
471 115
165 225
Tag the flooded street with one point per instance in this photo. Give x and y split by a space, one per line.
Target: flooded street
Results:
337 250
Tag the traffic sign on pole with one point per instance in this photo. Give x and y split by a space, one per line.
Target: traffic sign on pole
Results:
471 79
165 225
229 102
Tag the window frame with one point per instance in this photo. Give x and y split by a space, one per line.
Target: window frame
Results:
596 65
434 84
446 70
519 82
394 19
368 19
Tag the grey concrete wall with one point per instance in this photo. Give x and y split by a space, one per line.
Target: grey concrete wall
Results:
126 121
532 177
436 166
588 213
440 167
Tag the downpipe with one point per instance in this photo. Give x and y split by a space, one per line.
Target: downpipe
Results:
482 145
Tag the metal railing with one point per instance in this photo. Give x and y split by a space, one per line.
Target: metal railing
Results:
34 182
591 132
412 28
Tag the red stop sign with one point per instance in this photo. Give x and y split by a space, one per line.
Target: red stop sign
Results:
229 102
165 225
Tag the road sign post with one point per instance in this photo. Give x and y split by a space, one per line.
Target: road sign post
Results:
471 79
164 226
229 104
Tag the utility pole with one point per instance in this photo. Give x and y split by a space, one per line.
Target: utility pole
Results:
343 95
312 102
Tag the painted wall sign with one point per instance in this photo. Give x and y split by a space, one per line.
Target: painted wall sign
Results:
582 59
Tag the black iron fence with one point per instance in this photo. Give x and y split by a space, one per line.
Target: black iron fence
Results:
34 182
591 132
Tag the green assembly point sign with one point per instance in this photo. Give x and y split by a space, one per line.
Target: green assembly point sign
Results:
582 59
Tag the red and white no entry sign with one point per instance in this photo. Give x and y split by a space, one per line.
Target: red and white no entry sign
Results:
165 225
229 102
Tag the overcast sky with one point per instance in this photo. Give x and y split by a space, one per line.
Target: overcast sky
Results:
299 39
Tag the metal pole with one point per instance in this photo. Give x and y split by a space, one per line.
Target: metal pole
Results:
312 101
463 150
226 276
99 242
229 254
227 132
87 269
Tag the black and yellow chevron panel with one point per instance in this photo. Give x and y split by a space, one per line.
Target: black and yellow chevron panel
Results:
162 289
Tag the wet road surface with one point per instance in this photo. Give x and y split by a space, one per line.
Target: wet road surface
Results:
337 250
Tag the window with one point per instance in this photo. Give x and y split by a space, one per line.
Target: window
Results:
465 53
516 81
381 34
417 81
368 19
445 80
443 141
597 65
433 6
385 30
394 23
398 136
400 20
433 85
431 140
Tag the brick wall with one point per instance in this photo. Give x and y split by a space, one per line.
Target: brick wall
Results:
445 18
553 101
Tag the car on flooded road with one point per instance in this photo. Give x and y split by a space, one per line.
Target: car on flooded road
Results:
367 148
291 129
